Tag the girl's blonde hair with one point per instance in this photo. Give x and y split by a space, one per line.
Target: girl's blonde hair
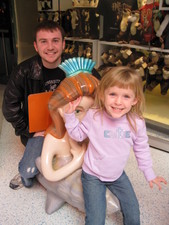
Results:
122 77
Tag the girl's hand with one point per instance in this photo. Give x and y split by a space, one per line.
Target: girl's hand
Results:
71 106
157 181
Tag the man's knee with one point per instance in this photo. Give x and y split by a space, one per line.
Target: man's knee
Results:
27 171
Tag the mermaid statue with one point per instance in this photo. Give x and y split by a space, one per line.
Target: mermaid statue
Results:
61 159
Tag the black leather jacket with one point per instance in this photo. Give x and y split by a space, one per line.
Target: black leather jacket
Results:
25 79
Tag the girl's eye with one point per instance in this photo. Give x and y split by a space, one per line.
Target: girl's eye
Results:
126 96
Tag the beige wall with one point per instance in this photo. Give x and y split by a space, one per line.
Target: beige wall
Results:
65 4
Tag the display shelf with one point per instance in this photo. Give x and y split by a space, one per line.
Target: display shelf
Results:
105 45
163 6
94 44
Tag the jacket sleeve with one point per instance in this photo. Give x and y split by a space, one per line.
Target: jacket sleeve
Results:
96 74
13 102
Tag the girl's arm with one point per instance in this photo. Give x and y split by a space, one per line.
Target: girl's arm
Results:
143 156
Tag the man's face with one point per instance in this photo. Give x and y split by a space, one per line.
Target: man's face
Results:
49 45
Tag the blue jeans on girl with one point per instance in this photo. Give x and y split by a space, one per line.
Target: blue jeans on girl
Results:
94 191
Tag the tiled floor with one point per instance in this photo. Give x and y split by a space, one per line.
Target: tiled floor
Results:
27 206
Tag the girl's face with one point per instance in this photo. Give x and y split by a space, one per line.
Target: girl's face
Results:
118 101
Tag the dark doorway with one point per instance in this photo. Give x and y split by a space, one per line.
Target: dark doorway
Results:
7 53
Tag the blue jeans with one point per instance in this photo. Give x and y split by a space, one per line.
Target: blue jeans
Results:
27 166
94 191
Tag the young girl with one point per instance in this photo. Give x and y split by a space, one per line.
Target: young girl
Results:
114 125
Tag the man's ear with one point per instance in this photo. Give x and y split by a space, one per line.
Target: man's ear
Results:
63 44
35 46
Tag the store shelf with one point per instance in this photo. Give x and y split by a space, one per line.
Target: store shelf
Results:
105 45
93 42
117 44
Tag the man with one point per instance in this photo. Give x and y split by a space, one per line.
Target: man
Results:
37 74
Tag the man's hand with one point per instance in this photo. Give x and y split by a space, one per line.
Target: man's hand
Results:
37 134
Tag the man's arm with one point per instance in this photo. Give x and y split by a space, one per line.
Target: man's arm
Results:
13 103
96 74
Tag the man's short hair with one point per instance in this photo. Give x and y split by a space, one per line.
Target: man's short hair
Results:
48 25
